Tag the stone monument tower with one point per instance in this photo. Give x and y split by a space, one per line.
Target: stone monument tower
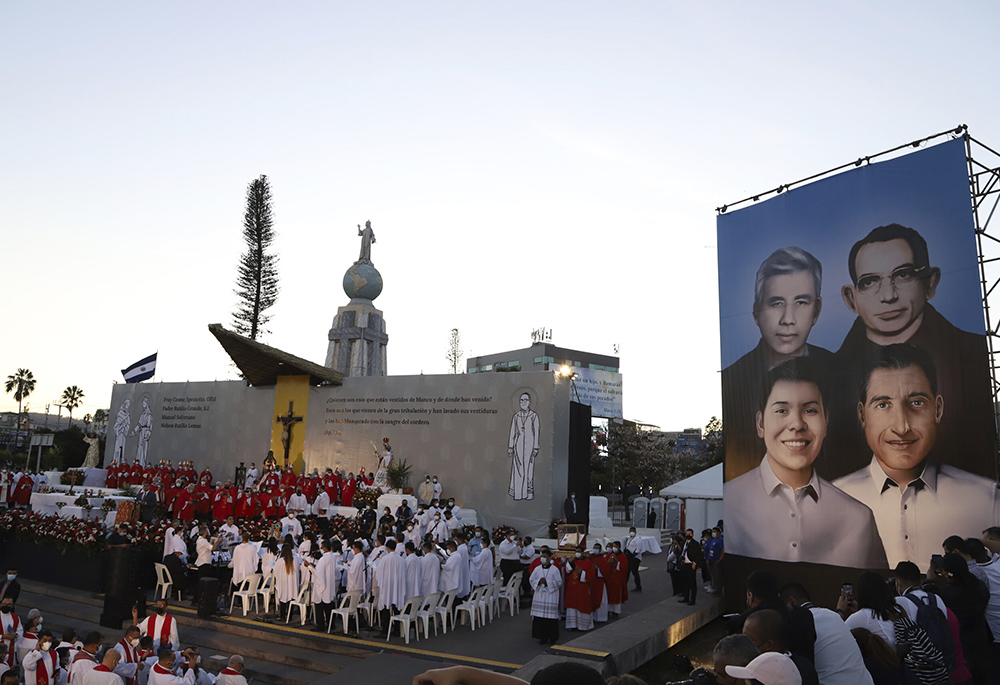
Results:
358 338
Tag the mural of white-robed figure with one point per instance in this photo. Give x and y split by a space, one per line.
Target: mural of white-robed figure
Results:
522 448
144 429
123 422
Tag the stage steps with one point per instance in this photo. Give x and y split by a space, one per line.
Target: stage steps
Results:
273 657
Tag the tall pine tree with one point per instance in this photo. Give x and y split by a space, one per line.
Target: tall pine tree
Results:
257 274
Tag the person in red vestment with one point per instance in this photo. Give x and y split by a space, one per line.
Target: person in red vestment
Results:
172 495
136 474
577 602
222 504
598 584
204 498
347 493
244 505
271 502
368 479
310 487
205 475
111 481
184 504
21 496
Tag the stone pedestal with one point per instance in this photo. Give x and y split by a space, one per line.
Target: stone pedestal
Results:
357 340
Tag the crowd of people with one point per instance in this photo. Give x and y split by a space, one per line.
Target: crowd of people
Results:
148 652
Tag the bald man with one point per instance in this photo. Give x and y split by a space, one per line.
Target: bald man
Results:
103 674
233 673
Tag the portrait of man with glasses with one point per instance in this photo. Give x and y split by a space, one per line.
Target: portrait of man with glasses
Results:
892 283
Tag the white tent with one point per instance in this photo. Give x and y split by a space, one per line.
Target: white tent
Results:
704 485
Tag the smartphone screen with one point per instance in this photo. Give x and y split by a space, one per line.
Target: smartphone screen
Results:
848 590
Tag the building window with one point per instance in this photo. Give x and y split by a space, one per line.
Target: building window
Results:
486 367
474 369
500 366
544 360
514 365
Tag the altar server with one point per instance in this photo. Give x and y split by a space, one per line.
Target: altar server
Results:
545 583
160 626
391 578
414 580
430 571
41 664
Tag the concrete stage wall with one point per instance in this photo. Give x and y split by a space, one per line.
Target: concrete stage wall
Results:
456 426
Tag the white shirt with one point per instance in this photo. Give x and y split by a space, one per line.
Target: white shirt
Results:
326 578
232 530
358 577
456 512
322 503
151 626
204 550
914 520
391 577
35 659
244 562
298 502
290 526
158 678
992 570
817 523
527 554
95 677
438 488
864 618
509 551
837 657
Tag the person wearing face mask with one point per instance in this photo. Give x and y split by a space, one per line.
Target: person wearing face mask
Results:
577 600
437 487
633 551
481 567
13 630
545 583
165 672
439 529
425 492
233 673
290 524
160 626
617 579
510 557
411 534
572 509
128 648
85 660
599 583
41 664
11 588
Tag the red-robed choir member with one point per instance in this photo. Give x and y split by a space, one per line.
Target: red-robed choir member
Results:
245 505
21 496
184 504
577 596
598 585
347 493
222 505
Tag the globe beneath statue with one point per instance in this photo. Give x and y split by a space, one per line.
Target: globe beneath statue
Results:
362 281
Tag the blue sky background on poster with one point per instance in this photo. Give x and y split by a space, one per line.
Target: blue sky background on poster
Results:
927 190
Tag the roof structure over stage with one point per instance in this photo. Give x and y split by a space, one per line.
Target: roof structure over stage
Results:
262 364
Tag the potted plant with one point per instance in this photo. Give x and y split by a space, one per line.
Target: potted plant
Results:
398 475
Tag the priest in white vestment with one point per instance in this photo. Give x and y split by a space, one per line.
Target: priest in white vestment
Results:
164 673
160 626
105 672
430 571
244 562
391 578
465 577
128 649
233 673
286 577
326 579
414 581
41 664
451 570
358 573
482 565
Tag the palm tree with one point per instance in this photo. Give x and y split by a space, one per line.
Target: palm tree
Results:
100 419
87 419
21 384
71 400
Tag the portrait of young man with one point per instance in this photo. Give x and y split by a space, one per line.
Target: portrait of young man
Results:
787 303
917 501
782 509
892 283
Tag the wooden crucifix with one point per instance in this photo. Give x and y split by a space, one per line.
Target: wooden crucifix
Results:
287 421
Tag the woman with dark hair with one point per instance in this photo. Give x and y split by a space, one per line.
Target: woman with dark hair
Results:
881 660
286 578
877 609
967 597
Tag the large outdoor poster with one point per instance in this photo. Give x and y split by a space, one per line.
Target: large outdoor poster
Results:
857 410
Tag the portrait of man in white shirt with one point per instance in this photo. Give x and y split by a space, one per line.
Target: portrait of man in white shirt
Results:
782 509
917 502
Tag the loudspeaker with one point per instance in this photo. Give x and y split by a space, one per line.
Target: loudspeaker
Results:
123 588
208 597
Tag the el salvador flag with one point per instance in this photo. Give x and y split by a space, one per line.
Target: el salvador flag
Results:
142 370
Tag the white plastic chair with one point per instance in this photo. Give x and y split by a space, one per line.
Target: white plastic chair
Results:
303 602
266 592
406 618
427 611
494 598
445 611
369 605
163 580
470 607
511 593
348 607
246 593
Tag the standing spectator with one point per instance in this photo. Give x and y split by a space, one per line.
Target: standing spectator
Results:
545 582
714 552
768 631
571 509
990 564
968 597
955 544
633 552
691 558
732 650
11 588
147 501
674 565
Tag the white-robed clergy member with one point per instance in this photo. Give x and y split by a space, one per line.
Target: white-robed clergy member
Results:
128 648
414 579
85 659
430 571
244 562
160 626
165 673
104 673
482 565
451 571
439 530
173 541
391 578
233 673
13 631
465 577
358 577
545 583
290 524
41 664
326 580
